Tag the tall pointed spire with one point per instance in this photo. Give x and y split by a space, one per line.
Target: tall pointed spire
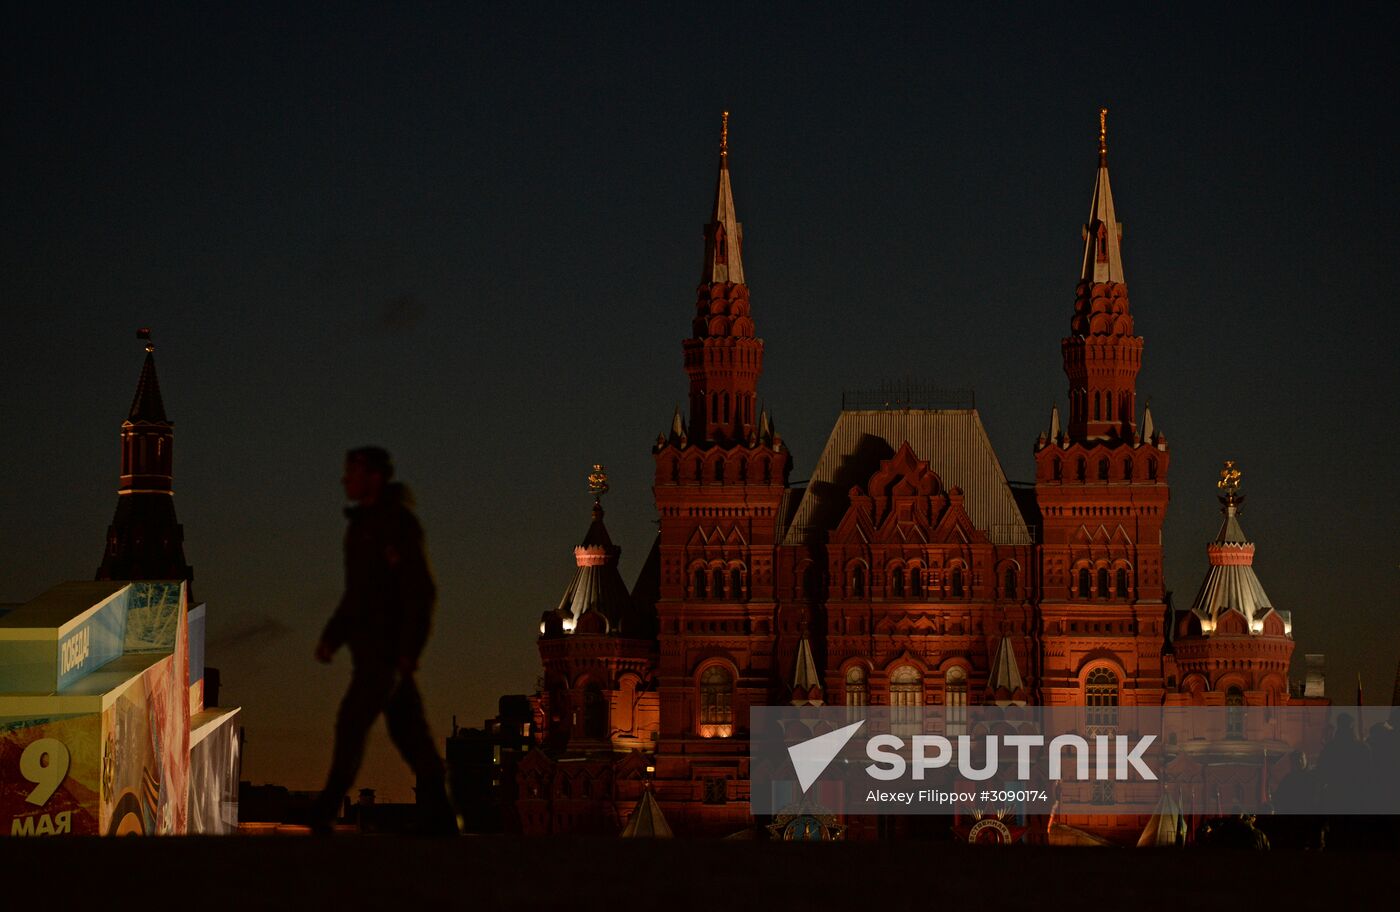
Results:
1102 355
1103 235
147 404
145 541
724 235
723 356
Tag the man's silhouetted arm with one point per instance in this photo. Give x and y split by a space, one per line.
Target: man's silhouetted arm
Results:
417 594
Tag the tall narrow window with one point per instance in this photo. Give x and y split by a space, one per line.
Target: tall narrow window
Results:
1058 468
1108 406
1084 582
1103 470
1103 582
897 582
1152 469
957 582
719 470
858 581
1096 405
736 584
1101 700
595 713
1008 583
857 688
955 701
1122 583
1080 469
1127 469
716 703
906 696
916 581
700 587
717 589
725 400
1234 713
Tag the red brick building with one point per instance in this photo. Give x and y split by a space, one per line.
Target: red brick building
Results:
908 571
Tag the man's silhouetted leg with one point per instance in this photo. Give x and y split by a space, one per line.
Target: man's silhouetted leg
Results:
410 733
365 699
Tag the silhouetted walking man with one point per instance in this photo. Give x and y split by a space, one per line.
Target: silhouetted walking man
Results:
384 618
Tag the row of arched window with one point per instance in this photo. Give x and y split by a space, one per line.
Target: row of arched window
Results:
1103 469
1105 404
715 470
902 582
719 583
719 407
1095 584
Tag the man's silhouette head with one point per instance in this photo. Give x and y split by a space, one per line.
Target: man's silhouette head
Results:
367 470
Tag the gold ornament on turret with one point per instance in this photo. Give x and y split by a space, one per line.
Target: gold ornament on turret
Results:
1229 482
724 133
1103 131
597 481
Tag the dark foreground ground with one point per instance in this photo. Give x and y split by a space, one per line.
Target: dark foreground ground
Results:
396 873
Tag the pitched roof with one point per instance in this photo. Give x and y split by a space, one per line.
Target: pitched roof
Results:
647 821
724 236
952 441
1103 234
1231 584
597 585
148 406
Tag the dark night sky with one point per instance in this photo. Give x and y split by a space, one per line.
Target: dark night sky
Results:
472 233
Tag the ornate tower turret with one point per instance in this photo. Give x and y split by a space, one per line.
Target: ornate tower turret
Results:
723 357
145 541
1101 487
1233 641
1102 356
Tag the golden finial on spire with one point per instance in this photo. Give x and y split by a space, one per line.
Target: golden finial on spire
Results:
597 481
144 333
1103 132
724 133
1229 479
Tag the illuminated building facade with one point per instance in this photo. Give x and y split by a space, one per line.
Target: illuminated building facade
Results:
908 571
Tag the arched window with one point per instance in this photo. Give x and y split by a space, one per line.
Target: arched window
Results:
595 713
1122 583
1103 582
719 470
714 407
1083 582
1008 583
906 696
736 583
1101 698
1234 713
717 585
857 689
957 582
1096 405
1152 469
700 587
955 701
1127 468
1058 468
897 582
716 702
858 581
1080 469
1108 406
725 400
916 581
1103 470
